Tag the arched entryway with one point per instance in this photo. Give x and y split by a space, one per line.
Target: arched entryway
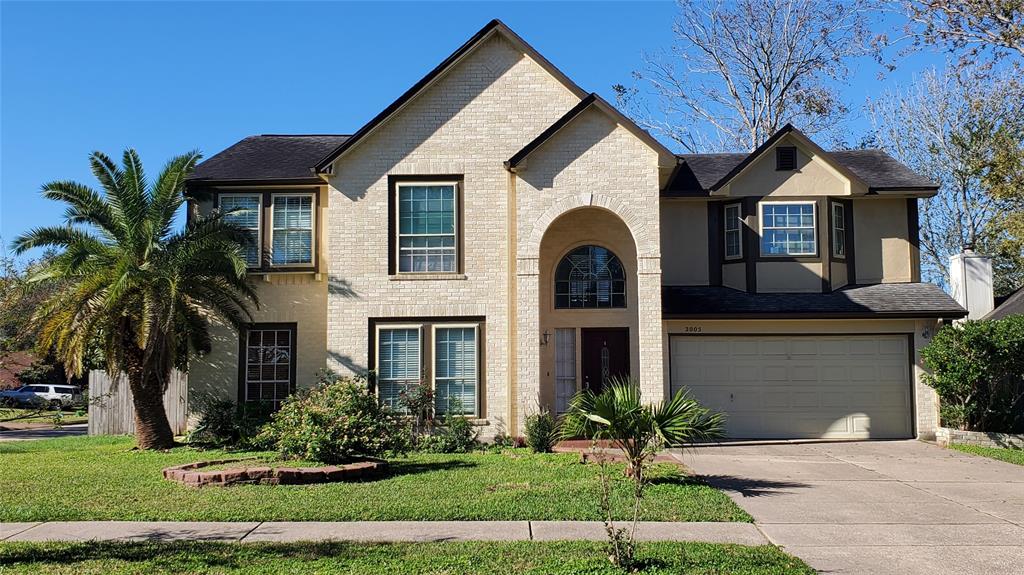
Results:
587 303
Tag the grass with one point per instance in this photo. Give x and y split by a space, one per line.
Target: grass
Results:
103 478
565 558
16 415
1008 455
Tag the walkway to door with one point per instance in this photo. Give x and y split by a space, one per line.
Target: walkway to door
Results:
876 507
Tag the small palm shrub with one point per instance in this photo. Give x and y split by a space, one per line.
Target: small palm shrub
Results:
541 431
336 422
222 422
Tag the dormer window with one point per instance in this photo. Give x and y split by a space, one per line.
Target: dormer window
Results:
785 158
733 231
788 229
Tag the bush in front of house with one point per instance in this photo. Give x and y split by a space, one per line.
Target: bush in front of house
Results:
336 422
541 431
977 369
455 434
224 423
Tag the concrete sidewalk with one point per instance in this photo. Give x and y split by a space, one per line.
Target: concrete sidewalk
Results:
414 531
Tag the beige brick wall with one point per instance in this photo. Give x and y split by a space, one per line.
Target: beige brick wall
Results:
469 122
592 163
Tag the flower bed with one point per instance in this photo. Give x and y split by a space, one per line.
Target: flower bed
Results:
191 474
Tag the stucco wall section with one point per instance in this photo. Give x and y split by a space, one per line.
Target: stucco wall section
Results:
592 162
799 277
298 298
813 176
477 115
882 244
684 242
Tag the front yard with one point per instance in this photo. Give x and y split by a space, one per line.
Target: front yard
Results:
1008 455
103 478
566 558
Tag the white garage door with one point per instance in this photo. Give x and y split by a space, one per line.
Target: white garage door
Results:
833 387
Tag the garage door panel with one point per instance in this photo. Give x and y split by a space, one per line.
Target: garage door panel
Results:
799 386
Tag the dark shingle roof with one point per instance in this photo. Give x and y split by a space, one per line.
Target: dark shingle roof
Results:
877 169
910 300
1012 305
268 157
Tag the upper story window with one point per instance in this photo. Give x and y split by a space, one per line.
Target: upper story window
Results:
785 158
427 227
838 230
292 230
733 231
590 277
788 229
243 210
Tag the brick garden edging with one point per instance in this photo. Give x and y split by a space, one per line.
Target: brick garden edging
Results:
945 436
189 474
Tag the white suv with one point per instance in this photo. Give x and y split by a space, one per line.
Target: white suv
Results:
53 396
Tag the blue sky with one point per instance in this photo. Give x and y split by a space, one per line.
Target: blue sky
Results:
167 77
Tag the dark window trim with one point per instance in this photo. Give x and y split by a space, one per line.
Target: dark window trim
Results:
782 164
266 234
914 234
460 241
426 323
242 359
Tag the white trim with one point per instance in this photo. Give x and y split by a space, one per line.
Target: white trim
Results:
725 230
259 220
476 360
814 228
313 214
456 205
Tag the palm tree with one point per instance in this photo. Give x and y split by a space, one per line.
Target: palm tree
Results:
134 286
639 431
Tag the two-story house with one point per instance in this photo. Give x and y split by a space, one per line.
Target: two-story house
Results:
511 239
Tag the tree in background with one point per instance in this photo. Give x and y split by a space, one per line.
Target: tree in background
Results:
128 281
741 69
976 30
963 130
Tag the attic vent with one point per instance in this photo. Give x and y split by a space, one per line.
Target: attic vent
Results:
785 158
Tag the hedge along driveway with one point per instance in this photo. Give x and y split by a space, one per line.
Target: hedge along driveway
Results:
102 478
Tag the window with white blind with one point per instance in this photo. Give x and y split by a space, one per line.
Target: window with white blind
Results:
565 368
292 231
838 230
398 362
455 369
243 210
269 369
427 228
788 229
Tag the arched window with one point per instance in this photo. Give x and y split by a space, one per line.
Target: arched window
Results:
590 277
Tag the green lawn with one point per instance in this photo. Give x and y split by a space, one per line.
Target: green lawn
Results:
83 478
436 558
1008 455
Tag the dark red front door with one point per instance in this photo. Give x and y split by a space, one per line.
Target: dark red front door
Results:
605 355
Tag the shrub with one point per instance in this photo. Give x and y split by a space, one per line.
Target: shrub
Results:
541 431
418 402
977 369
41 372
336 422
454 435
222 422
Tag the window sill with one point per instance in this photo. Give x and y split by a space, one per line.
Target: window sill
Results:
421 277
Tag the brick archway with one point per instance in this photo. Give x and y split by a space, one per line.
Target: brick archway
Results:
646 246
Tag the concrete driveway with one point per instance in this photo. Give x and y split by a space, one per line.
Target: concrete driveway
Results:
876 507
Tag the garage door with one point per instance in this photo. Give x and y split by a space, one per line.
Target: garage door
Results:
832 387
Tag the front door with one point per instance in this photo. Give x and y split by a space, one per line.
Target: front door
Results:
605 355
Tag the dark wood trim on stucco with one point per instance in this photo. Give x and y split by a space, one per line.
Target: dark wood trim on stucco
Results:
851 245
914 234
751 241
460 219
715 241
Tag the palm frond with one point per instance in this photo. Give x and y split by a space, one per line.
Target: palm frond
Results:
55 236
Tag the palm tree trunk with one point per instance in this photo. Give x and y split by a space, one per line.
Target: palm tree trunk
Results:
152 430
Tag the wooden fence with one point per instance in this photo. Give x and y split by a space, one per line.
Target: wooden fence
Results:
110 406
